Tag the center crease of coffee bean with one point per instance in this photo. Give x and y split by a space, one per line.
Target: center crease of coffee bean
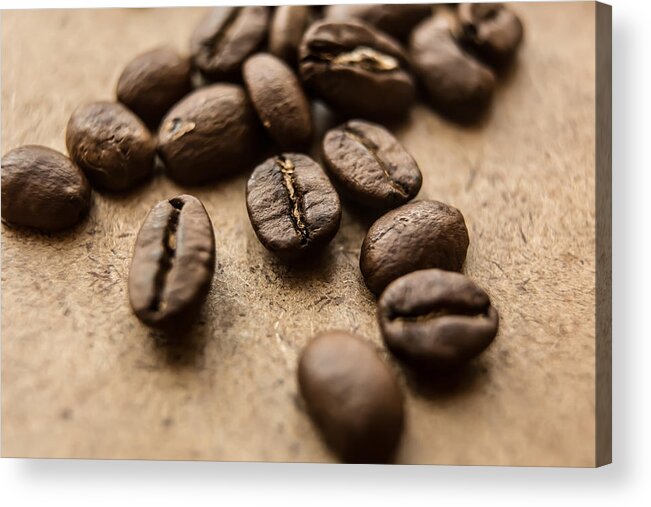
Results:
169 254
456 310
371 147
364 57
287 169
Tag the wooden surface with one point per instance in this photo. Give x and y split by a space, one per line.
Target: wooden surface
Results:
81 377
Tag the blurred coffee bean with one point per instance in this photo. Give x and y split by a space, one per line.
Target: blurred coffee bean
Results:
397 20
43 189
288 25
455 82
225 38
357 70
279 100
352 396
111 144
153 82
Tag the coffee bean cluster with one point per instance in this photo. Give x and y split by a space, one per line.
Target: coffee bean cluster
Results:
231 106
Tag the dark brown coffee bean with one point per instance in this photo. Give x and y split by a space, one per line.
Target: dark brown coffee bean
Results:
356 69
173 263
370 165
225 38
491 31
293 207
436 319
111 145
352 396
43 189
397 20
418 235
456 84
279 100
209 134
288 25
153 82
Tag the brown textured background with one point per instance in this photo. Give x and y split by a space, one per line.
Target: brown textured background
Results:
81 377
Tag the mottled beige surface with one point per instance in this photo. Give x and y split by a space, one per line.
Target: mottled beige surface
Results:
81 377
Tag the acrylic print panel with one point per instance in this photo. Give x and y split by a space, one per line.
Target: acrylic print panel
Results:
84 377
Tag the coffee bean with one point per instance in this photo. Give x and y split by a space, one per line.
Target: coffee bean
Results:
43 189
211 133
491 31
173 263
225 38
279 100
456 84
288 25
397 20
436 319
153 82
352 396
111 145
357 70
293 207
418 235
370 165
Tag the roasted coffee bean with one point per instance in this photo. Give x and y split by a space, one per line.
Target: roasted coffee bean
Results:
111 145
456 84
173 263
288 25
293 207
491 31
357 70
352 396
279 100
43 189
418 235
397 20
225 38
211 133
370 165
436 319
153 82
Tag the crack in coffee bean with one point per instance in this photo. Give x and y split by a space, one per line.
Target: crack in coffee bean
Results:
435 313
168 258
365 57
372 148
216 42
295 201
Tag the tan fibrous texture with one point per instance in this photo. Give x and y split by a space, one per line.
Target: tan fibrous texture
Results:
211 133
43 189
153 82
279 100
353 397
111 145
82 377
418 235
